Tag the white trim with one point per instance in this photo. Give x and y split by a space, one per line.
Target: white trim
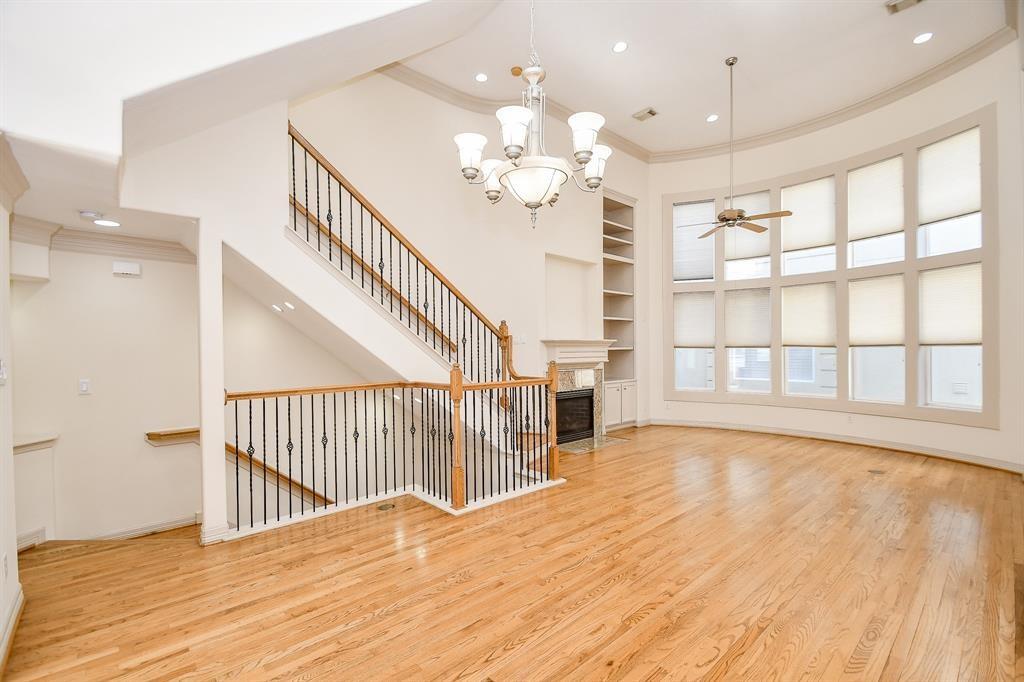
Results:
210 535
983 48
31 539
415 490
10 626
850 440
120 246
32 230
148 529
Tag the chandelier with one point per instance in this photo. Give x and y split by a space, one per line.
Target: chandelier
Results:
531 176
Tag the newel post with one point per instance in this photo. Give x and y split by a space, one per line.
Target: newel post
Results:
458 471
505 342
553 418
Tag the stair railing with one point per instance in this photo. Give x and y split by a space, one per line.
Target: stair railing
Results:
296 452
333 217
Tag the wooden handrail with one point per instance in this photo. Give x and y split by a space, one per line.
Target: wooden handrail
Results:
173 435
271 471
317 390
366 267
350 188
512 383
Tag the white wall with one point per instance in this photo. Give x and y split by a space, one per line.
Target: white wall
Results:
993 79
394 143
135 340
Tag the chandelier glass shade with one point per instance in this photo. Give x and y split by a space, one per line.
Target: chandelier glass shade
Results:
527 172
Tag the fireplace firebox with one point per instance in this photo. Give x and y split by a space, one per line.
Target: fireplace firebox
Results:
575 414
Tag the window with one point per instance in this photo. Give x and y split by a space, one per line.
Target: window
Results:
695 369
877 335
809 235
746 252
694 321
693 258
951 377
949 194
891 326
811 372
950 335
809 336
875 213
750 370
748 335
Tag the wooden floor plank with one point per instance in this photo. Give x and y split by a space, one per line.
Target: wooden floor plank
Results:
682 553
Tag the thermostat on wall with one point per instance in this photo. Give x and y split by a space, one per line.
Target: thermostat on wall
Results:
127 269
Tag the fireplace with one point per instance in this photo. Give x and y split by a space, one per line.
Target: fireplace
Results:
575 414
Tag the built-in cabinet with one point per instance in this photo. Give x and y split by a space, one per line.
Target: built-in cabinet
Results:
617 235
619 404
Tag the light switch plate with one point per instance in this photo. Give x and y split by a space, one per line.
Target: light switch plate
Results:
3 372
84 387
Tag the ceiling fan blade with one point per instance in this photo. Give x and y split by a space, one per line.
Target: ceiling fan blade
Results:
774 214
713 222
746 225
710 232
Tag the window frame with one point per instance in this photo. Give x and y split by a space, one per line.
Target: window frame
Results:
909 267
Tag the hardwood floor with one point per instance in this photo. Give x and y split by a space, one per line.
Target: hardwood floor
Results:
682 553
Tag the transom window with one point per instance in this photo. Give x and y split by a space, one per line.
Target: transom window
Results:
892 322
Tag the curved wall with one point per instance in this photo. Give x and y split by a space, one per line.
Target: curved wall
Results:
995 79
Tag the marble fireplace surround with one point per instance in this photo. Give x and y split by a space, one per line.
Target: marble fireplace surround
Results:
581 365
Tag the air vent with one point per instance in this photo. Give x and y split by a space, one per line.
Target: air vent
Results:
894 6
645 114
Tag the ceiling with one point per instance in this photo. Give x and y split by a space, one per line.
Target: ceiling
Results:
798 60
63 181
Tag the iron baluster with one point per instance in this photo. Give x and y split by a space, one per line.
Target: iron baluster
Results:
344 429
277 457
302 463
290 446
238 492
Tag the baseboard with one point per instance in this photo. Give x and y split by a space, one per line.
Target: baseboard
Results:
852 440
31 538
10 627
149 529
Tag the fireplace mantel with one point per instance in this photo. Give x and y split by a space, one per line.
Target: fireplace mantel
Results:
577 352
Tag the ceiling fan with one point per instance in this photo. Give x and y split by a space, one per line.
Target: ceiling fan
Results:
736 217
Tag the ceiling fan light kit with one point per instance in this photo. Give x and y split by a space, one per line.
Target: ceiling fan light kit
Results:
736 217
531 176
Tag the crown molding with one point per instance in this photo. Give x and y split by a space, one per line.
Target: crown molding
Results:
975 53
32 230
13 182
120 246
481 105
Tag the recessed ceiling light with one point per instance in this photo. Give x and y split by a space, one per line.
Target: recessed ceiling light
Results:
711 118
276 307
289 306
620 47
90 215
103 222
923 38
481 78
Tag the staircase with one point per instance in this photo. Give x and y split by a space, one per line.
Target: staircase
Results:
485 435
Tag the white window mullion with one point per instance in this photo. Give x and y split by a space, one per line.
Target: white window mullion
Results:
841 294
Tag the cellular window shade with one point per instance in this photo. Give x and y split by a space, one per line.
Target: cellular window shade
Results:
950 305
876 311
949 177
875 199
809 315
694 319
747 318
813 222
740 243
692 258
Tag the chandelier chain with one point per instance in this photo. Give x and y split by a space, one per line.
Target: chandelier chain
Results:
534 59
730 137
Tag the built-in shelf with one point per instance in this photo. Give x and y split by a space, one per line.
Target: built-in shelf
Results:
616 240
619 248
618 226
